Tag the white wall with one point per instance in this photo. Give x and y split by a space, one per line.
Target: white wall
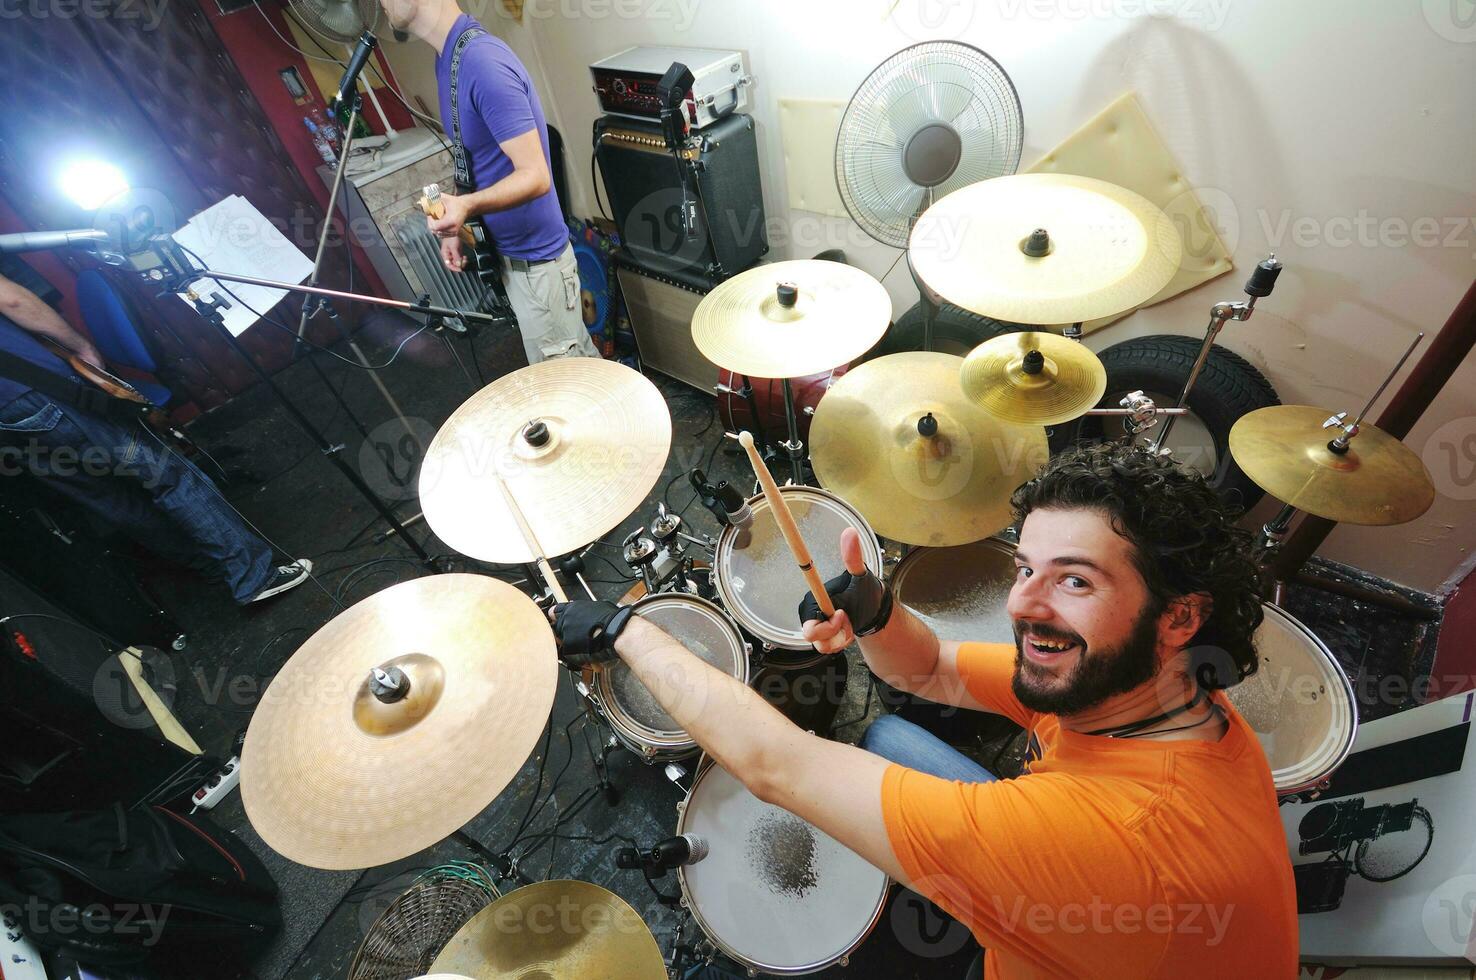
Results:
1339 132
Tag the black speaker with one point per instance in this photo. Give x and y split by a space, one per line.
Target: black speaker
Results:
651 189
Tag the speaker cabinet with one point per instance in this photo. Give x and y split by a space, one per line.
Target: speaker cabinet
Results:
660 309
650 188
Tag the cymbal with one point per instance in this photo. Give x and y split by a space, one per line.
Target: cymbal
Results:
1284 449
1068 378
838 313
560 930
333 777
947 488
606 431
1106 248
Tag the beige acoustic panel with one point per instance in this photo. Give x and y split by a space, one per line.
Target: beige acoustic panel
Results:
1121 147
661 317
807 131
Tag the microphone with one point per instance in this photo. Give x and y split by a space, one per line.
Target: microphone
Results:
663 856
722 501
677 851
35 241
362 50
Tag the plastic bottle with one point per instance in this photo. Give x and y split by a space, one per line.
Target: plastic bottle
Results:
320 142
329 129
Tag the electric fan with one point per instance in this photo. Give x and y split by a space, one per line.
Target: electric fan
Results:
410 934
343 21
930 119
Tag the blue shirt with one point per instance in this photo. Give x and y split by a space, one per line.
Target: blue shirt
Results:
15 339
498 103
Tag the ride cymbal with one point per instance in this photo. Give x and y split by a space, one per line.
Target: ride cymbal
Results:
791 319
1378 481
896 438
554 930
342 770
1033 378
577 441
1104 249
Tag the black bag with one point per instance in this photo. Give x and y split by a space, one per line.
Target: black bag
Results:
115 887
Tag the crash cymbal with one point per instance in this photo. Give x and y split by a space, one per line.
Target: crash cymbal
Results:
1033 378
756 325
577 441
1284 449
1105 249
949 487
334 776
554 930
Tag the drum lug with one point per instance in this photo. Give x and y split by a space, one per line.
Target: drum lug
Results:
752 972
844 961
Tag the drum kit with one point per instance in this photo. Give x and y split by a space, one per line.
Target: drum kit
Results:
407 714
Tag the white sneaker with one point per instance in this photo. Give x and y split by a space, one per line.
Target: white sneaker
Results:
287 577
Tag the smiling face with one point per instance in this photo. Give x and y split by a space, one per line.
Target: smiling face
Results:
1086 626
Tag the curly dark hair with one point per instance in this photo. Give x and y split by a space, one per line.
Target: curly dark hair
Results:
1184 542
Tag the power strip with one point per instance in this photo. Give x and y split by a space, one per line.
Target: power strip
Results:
218 786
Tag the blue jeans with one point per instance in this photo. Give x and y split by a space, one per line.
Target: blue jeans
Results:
122 474
908 745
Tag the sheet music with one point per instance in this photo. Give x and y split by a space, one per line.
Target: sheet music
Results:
232 236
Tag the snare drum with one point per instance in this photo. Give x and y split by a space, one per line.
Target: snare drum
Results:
960 592
1300 704
757 577
641 724
774 893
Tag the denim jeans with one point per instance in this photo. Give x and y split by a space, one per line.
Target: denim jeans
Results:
122 474
908 745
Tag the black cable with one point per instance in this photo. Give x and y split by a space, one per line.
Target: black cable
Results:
618 571
594 159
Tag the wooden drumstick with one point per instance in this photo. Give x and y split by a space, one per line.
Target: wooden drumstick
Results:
786 525
531 540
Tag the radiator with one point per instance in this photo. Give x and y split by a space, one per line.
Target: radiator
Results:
457 290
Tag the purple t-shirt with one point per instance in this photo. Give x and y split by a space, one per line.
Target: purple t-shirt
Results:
498 103
16 340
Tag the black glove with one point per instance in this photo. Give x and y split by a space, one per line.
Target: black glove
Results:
867 602
585 631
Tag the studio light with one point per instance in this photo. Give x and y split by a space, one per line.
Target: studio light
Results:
91 183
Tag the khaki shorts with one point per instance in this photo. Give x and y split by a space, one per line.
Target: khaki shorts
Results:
545 296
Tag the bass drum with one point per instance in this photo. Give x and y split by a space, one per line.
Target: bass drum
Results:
736 415
775 893
1300 704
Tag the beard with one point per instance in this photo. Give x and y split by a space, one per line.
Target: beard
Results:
1097 675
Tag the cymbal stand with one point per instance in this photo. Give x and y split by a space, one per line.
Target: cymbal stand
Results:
793 447
1260 283
1275 530
746 392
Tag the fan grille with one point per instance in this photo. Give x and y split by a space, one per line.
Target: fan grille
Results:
411 933
338 20
945 82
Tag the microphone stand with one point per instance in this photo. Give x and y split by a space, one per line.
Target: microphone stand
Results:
175 274
311 308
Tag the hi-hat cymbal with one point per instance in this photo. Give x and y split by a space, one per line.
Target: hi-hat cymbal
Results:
1284 449
1033 378
790 319
950 486
335 776
578 442
558 930
1105 249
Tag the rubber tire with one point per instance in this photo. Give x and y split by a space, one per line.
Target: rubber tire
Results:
955 331
1228 387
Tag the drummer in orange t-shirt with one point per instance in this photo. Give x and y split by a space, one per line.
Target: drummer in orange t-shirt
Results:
1144 839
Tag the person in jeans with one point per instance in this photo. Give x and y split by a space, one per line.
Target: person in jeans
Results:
1144 838
504 178
118 471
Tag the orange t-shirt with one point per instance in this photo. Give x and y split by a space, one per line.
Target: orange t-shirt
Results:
1111 857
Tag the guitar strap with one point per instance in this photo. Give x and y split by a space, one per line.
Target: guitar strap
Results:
464 182
61 389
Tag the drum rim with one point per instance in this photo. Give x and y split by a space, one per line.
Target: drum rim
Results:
703 768
651 742
1308 773
790 639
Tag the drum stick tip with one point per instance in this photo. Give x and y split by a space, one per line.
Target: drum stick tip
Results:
745 439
